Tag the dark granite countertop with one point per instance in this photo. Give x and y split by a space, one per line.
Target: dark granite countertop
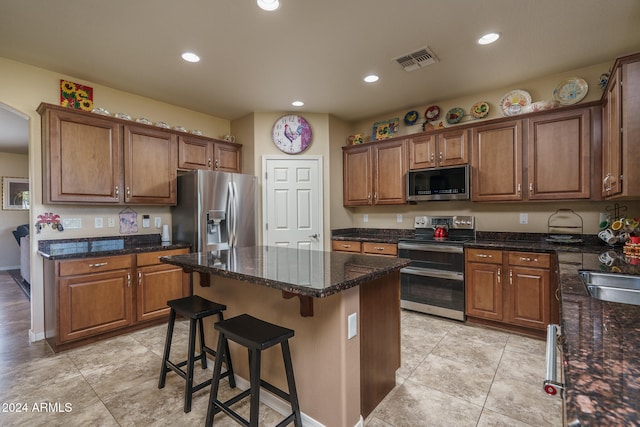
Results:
378 235
104 246
302 272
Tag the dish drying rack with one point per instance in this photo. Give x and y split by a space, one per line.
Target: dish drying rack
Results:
565 226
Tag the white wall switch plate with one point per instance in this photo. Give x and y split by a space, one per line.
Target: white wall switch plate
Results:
111 222
399 218
97 222
365 218
145 221
352 321
524 218
70 223
157 221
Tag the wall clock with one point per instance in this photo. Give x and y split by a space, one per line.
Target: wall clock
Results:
291 134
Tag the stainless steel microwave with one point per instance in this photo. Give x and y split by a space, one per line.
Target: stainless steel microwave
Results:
447 183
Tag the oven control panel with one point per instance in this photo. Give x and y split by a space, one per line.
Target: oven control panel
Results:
459 221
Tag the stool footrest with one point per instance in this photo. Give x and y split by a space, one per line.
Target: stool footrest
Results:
218 406
275 390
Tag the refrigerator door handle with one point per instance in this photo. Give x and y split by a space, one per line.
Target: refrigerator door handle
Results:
230 236
235 215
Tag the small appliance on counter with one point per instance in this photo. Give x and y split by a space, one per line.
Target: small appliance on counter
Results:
434 282
215 210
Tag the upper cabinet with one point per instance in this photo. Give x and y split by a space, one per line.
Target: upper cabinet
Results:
621 130
448 148
196 152
374 174
82 157
559 155
93 159
541 157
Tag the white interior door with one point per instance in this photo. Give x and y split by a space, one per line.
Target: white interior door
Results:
292 201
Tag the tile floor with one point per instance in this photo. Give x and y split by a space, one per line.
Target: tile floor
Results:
452 374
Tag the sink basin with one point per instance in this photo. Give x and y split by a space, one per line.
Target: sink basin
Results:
620 288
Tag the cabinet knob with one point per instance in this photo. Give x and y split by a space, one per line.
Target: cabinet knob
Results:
209 163
217 163
440 157
117 191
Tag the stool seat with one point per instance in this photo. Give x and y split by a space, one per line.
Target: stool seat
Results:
194 308
255 335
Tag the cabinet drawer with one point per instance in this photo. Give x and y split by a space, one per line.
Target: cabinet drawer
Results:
346 246
151 258
530 259
380 248
490 256
93 265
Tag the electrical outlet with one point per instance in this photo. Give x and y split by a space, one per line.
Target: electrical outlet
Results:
111 222
524 218
365 218
399 218
352 322
157 221
97 222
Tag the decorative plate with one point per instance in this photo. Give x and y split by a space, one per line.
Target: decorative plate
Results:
454 115
411 118
511 104
571 91
432 113
291 134
143 120
480 109
385 129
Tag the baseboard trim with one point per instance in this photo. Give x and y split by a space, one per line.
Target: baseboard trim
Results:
11 267
33 337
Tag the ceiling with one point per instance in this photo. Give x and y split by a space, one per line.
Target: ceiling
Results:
314 51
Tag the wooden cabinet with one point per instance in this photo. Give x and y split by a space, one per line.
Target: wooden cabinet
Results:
496 158
157 283
94 298
554 164
621 130
511 288
448 148
82 157
367 248
374 174
195 152
559 155
149 166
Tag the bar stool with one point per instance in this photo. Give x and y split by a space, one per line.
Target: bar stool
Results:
194 308
256 335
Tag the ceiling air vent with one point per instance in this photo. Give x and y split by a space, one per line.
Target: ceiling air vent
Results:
418 59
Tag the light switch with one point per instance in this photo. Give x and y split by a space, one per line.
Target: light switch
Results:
524 218
352 321
145 221
157 222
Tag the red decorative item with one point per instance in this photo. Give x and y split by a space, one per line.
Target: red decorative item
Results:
74 95
48 218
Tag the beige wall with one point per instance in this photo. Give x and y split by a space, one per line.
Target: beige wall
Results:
23 88
17 166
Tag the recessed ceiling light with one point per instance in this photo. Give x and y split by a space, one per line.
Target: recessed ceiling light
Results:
190 57
488 38
269 5
297 103
371 78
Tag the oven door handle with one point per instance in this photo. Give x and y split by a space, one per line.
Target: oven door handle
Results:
431 247
427 272
551 385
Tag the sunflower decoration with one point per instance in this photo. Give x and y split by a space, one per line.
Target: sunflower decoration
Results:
74 95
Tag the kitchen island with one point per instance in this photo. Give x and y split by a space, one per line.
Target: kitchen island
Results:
340 376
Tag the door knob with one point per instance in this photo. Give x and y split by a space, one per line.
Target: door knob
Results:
314 236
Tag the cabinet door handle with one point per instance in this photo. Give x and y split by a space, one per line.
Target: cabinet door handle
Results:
139 278
484 256
369 197
209 163
528 259
499 273
379 248
346 246
375 197
531 188
98 264
128 280
217 163
128 192
117 191
510 276
440 157
519 189
433 157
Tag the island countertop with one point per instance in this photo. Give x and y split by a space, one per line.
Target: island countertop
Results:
302 272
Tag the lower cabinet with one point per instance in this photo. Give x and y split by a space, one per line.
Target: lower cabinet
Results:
90 298
514 289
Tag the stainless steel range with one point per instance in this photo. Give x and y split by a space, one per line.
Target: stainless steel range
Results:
434 282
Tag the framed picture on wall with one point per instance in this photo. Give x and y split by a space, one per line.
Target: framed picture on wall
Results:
15 193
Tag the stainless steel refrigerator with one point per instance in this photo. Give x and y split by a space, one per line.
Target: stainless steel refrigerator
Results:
215 210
